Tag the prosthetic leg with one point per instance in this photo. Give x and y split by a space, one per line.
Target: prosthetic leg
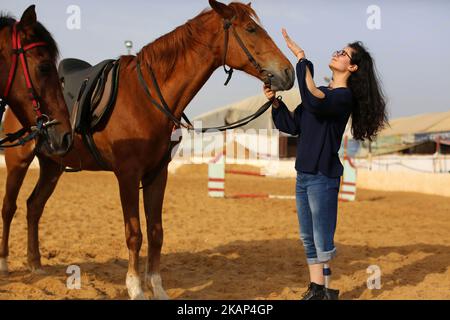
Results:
330 294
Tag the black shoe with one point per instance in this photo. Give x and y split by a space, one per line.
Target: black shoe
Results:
315 292
330 294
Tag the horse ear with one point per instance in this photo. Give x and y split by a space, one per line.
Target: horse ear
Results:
29 17
222 9
249 4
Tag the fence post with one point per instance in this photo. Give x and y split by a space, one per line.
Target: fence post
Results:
216 177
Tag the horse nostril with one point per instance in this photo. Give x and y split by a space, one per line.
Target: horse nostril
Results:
290 75
287 71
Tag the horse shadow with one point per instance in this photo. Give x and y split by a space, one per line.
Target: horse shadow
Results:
263 267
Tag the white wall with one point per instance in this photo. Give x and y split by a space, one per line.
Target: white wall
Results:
428 183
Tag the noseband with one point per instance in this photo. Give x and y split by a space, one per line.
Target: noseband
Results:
42 120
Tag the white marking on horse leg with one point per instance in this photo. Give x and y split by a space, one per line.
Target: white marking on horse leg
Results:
3 266
158 291
134 287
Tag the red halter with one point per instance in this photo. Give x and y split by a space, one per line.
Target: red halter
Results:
18 51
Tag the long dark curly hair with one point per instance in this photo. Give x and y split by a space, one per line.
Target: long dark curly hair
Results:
369 114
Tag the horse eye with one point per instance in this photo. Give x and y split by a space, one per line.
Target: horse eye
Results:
251 29
45 68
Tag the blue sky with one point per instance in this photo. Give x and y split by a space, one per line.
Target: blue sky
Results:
411 50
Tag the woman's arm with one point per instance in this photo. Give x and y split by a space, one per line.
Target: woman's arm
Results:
313 99
286 121
312 88
300 54
283 119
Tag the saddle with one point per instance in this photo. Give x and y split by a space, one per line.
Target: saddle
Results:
89 91
90 94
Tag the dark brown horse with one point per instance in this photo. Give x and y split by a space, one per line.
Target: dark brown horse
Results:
135 139
29 81
28 56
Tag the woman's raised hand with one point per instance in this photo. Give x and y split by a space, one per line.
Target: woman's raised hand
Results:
295 48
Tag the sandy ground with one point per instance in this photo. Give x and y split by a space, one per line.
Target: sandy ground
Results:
230 249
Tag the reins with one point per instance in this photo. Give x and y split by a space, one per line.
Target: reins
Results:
164 108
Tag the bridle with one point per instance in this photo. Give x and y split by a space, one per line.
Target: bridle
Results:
164 108
227 25
42 120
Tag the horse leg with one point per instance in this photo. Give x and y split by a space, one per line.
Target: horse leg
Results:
49 175
129 196
153 202
17 164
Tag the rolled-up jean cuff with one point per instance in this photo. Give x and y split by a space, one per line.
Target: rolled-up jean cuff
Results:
324 257
312 261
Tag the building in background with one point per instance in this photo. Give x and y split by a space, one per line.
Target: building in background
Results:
236 111
417 143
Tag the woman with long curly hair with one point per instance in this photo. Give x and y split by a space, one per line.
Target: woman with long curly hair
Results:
320 122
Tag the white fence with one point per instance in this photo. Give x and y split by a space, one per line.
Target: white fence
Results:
405 163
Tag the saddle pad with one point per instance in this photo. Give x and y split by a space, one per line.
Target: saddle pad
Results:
104 96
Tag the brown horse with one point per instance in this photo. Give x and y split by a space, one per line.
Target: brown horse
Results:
28 56
135 139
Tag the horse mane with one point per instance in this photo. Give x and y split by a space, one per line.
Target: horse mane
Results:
164 52
40 33
244 11
6 20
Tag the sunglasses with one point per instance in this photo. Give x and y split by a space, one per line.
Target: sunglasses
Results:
341 53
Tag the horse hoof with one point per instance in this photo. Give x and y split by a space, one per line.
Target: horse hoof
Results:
39 272
135 291
4 267
155 284
140 296
160 295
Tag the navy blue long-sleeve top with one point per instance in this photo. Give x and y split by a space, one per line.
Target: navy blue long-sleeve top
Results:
319 123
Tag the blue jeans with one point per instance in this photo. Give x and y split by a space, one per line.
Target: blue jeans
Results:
317 206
